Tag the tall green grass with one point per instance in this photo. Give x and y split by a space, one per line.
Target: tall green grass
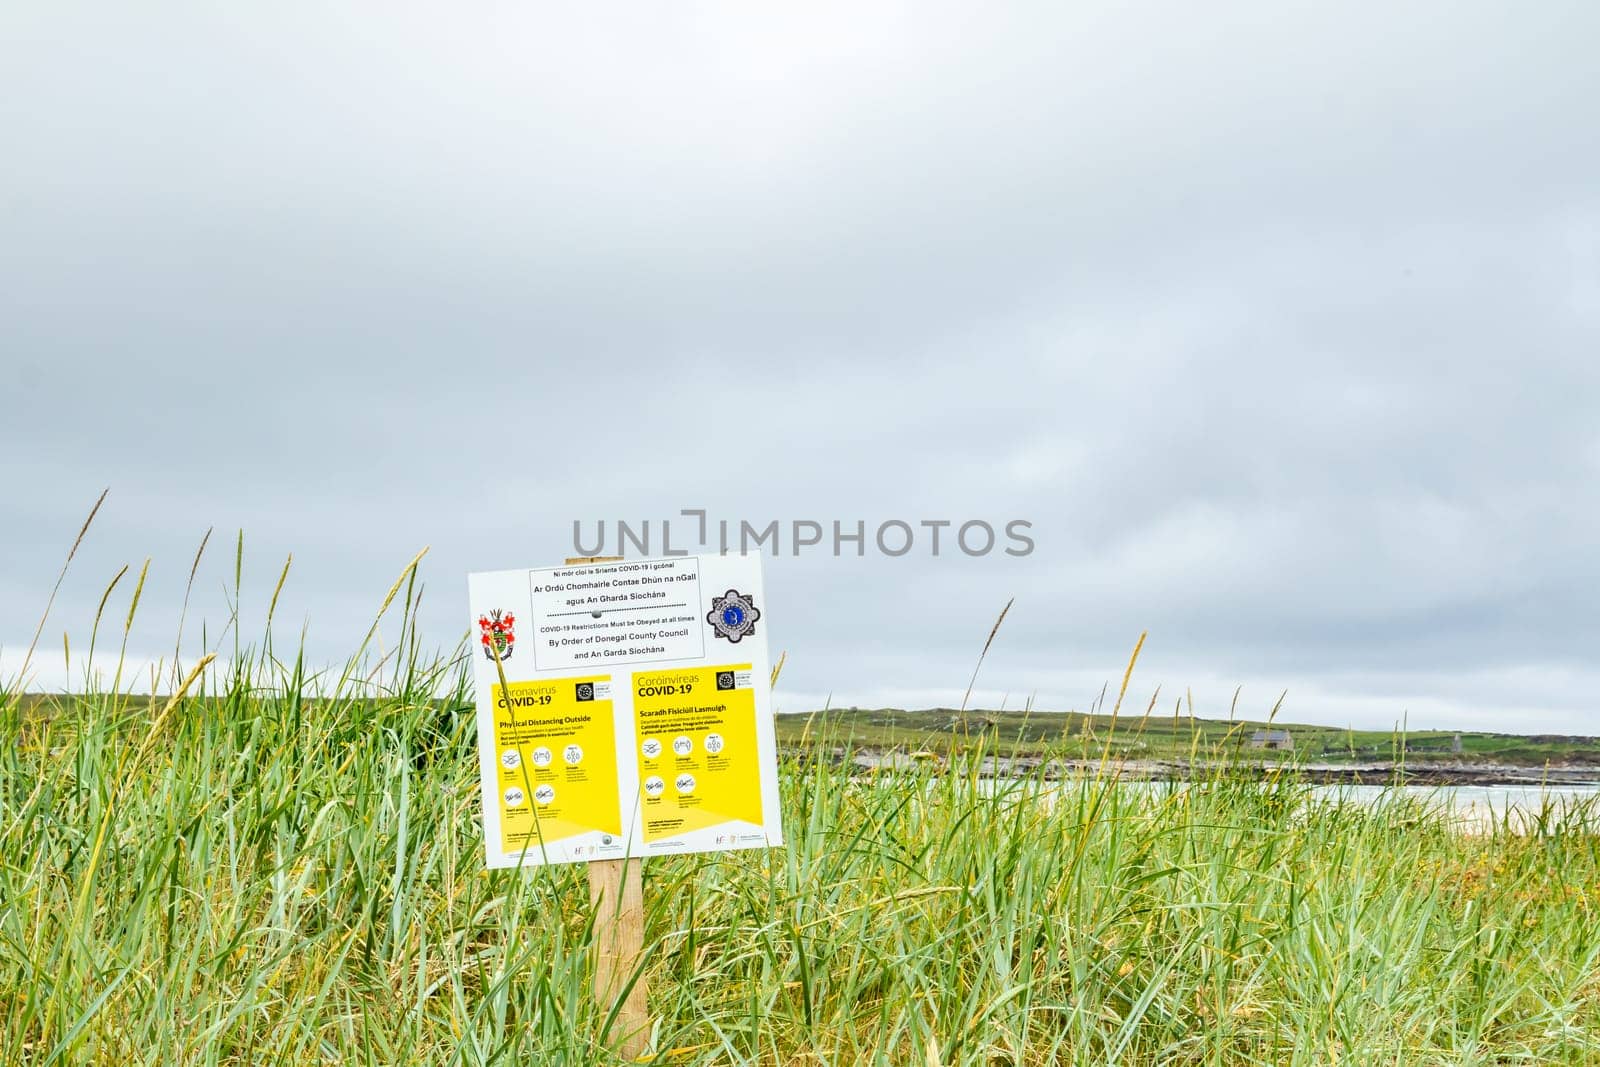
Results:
284 867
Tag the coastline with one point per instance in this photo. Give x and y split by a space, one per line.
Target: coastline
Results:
1375 773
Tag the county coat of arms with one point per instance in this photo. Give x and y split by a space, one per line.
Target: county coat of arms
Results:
733 615
498 638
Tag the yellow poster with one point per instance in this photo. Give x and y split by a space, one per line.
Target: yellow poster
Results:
699 768
555 749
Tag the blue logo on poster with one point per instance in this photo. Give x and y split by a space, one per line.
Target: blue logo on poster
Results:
733 615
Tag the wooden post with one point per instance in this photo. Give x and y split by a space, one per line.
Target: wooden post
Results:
616 896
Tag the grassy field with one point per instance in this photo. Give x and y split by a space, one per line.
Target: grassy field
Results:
254 877
271 868
1174 735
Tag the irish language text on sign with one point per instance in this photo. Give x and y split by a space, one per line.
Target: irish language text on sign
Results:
627 611
697 730
624 708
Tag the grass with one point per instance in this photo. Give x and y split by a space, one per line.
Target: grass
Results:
278 867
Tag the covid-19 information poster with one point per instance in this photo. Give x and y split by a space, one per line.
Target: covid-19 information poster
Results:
624 709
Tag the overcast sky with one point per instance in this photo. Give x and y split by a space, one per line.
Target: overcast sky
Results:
1279 322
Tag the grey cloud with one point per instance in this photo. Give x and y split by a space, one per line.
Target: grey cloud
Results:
1278 323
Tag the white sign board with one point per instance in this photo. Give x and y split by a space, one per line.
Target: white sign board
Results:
636 715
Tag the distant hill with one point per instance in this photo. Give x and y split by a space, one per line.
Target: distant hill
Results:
1169 737
1076 734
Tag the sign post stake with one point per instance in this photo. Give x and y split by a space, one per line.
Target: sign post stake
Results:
616 896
